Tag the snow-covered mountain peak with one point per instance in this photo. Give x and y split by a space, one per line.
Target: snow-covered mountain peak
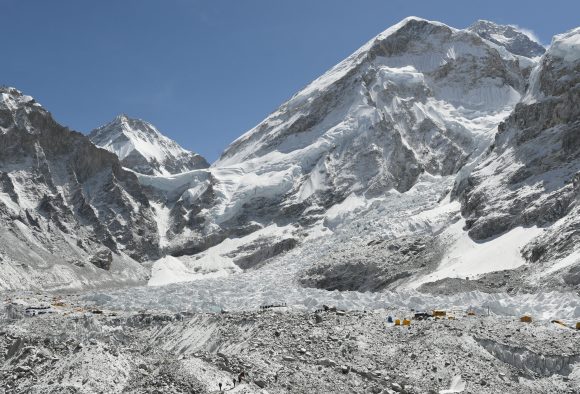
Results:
138 131
14 105
415 57
9 97
142 148
122 120
411 23
517 40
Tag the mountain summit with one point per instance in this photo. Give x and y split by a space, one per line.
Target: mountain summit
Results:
142 148
514 39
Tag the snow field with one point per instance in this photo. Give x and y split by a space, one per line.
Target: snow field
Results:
211 263
466 258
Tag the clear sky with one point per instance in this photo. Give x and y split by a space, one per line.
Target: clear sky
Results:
204 72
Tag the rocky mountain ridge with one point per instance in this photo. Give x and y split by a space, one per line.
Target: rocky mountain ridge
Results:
68 209
531 175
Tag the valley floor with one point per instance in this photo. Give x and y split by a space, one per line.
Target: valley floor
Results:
77 348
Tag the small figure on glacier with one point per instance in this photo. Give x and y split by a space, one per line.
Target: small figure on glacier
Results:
234 379
220 384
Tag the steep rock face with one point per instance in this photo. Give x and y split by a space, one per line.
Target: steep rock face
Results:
531 174
419 98
65 200
142 148
513 39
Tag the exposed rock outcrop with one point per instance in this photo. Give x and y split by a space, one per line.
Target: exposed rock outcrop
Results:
65 200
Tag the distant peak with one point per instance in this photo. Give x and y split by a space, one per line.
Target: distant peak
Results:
12 98
13 93
484 22
412 20
123 123
10 90
122 117
516 39
143 148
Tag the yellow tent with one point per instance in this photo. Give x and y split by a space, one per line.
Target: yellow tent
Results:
526 319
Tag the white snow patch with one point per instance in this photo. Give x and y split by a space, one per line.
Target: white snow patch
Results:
171 269
468 258
567 45
338 212
162 219
571 259
212 263
171 183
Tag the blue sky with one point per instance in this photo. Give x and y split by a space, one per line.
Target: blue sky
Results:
204 72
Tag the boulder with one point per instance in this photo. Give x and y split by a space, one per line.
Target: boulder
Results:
102 259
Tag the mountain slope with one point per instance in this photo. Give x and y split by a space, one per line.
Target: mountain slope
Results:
71 215
531 175
418 98
418 102
142 148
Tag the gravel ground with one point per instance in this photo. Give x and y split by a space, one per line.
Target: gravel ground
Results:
281 350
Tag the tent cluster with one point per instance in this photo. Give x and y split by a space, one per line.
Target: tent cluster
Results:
273 306
435 314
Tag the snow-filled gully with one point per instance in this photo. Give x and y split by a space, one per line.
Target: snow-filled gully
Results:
527 360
